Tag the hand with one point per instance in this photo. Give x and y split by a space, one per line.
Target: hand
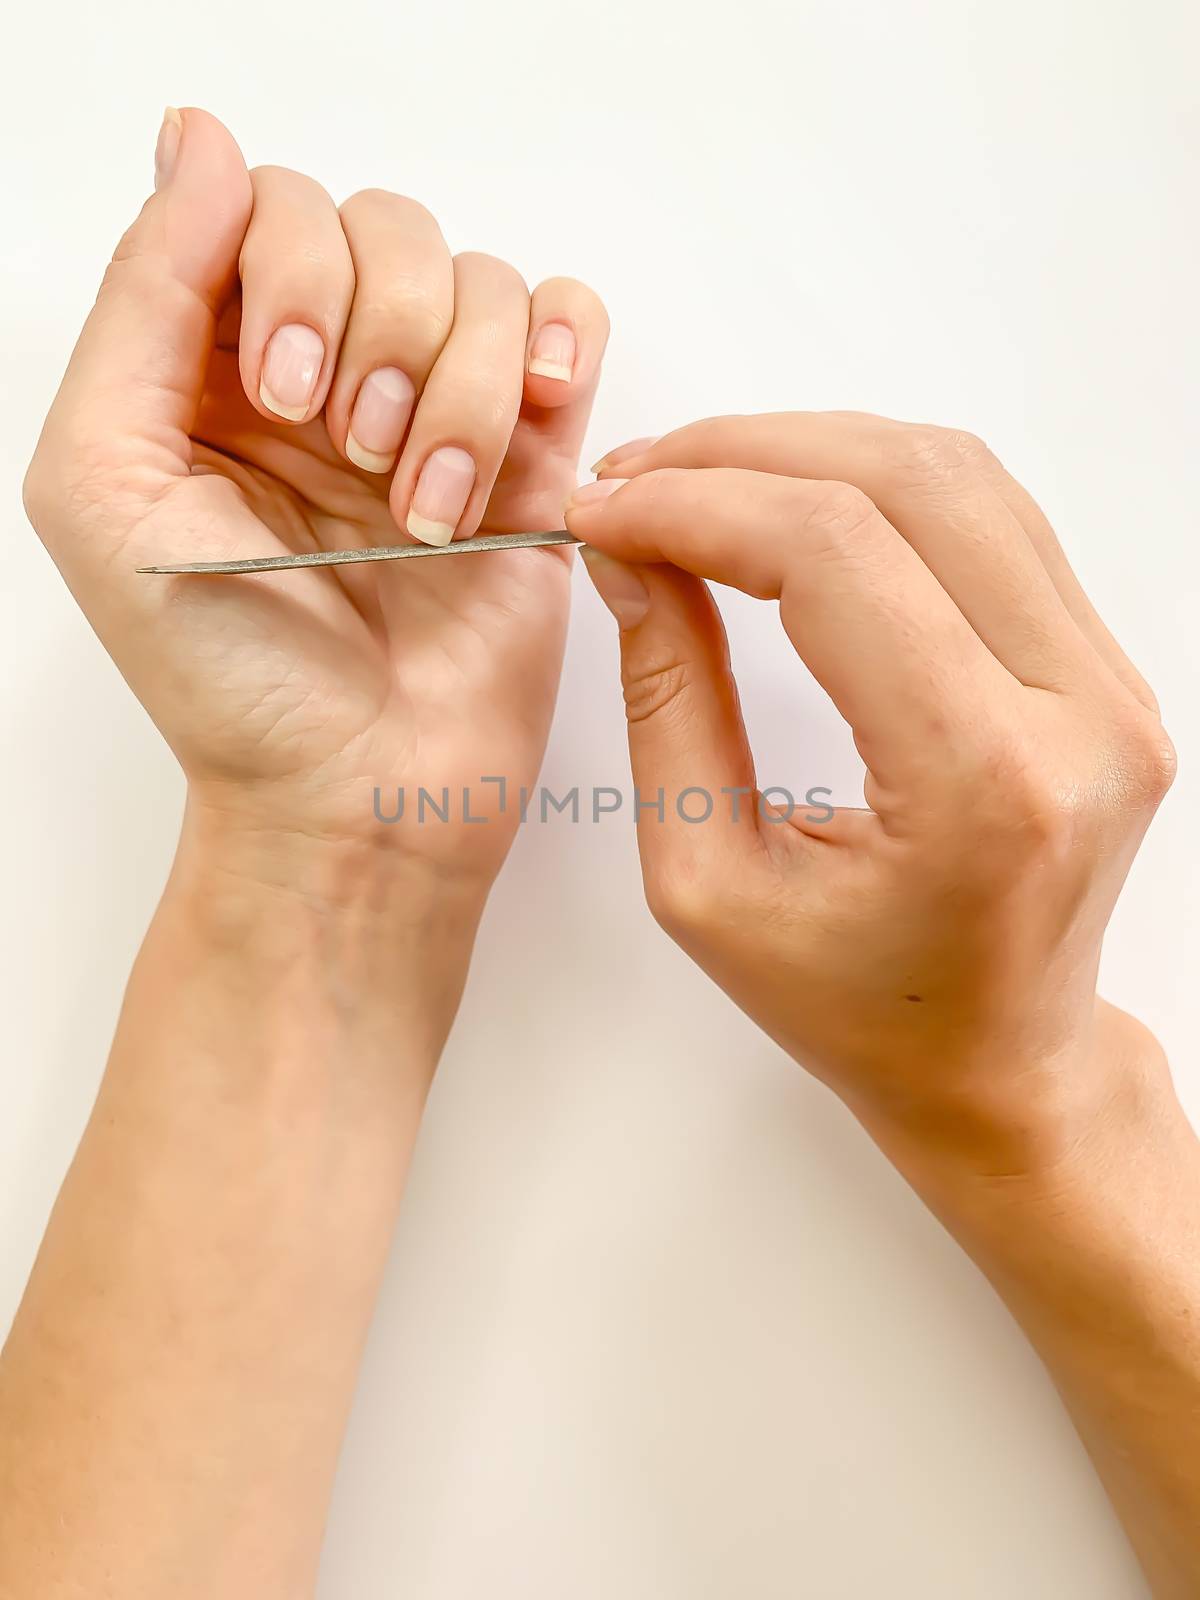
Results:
934 957
265 373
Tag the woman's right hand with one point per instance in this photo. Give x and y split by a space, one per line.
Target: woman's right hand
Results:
933 958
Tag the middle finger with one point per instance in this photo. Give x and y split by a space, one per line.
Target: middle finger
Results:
399 322
466 416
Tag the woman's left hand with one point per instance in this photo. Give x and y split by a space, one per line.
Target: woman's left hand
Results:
265 372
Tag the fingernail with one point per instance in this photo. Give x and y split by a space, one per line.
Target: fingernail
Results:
291 369
167 148
379 419
552 353
441 495
589 492
619 586
625 452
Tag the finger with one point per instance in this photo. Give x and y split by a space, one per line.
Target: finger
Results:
542 462
129 398
692 767
467 414
627 452
1045 541
873 625
966 535
568 333
297 284
399 322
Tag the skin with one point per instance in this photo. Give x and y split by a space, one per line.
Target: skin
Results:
174 1389
175 1386
933 959
288 701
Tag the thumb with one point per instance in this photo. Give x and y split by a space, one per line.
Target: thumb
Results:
692 766
133 385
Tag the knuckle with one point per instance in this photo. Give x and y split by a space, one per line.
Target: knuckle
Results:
925 456
968 447
130 245
129 273
271 172
370 201
271 176
316 260
492 270
656 688
684 902
1146 759
286 199
409 305
138 278
839 513
297 268
576 296
483 405
1022 810
1034 807
1162 763
35 489
1016 791
496 411
568 292
1045 810
566 289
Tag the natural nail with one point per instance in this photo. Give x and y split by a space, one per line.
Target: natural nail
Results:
379 418
291 369
167 148
552 353
588 493
619 586
625 452
441 495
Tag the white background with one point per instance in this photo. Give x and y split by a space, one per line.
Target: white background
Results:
660 1323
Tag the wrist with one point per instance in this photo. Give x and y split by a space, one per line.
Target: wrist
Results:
1051 1144
324 934
287 851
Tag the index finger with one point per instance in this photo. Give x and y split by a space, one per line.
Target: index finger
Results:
870 621
893 463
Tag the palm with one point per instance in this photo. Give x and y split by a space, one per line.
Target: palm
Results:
432 673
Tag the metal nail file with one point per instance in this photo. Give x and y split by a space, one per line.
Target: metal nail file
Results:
390 552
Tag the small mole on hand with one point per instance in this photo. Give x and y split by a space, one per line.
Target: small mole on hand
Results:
915 997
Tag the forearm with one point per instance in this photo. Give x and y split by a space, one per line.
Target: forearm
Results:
175 1386
1097 1253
